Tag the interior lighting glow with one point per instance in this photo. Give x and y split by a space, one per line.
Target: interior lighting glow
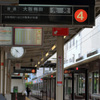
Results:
33 71
76 68
64 37
38 63
53 47
35 65
51 76
47 54
41 79
42 59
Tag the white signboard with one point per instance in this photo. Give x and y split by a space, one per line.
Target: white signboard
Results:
18 66
59 79
5 36
28 36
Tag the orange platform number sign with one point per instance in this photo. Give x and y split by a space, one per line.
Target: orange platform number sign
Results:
81 15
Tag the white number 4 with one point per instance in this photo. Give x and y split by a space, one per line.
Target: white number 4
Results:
80 15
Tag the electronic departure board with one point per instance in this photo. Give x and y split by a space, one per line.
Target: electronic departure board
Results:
48 15
27 36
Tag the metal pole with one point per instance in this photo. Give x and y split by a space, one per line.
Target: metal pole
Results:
60 72
5 87
54 88
50 88
46 89
8 77
2 70
86 85
73 86
99 79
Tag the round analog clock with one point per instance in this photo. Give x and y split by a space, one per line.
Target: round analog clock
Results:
17 52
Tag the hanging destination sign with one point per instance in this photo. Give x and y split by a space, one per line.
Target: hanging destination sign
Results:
48 15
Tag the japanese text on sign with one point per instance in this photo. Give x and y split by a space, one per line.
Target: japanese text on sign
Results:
59 80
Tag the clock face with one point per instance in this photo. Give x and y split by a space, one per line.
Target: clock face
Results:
17 52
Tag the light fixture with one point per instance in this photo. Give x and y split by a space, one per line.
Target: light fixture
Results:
53 47
64 37
38 63
47 54
42 59
35 65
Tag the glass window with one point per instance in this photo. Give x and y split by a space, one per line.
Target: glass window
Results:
95 82
73 57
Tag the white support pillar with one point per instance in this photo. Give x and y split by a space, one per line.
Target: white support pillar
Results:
5 88
2 71
8 85
60 71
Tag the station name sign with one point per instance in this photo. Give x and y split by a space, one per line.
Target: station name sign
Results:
48 15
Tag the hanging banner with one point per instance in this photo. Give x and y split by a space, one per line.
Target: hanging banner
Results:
59 76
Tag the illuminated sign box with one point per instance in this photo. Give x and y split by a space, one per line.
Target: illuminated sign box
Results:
49 15
5 36
27 36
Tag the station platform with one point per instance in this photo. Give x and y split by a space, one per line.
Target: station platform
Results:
31 98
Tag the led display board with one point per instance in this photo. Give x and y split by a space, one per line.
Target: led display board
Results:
27 36
48 15
25 70
5 36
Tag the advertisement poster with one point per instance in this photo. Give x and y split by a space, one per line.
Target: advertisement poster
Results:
5 36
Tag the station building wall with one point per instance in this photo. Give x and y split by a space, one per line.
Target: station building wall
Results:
19 83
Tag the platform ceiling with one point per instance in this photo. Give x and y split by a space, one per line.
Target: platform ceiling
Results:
37 53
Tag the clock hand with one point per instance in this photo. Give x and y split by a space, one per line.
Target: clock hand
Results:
16 50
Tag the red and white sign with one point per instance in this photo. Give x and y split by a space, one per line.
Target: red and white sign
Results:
60 31
18 66
59 73
81 15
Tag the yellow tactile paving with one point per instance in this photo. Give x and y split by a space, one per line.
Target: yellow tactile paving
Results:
27 98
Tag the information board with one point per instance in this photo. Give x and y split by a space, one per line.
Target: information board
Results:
48 15
5 36
27 36
25 70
